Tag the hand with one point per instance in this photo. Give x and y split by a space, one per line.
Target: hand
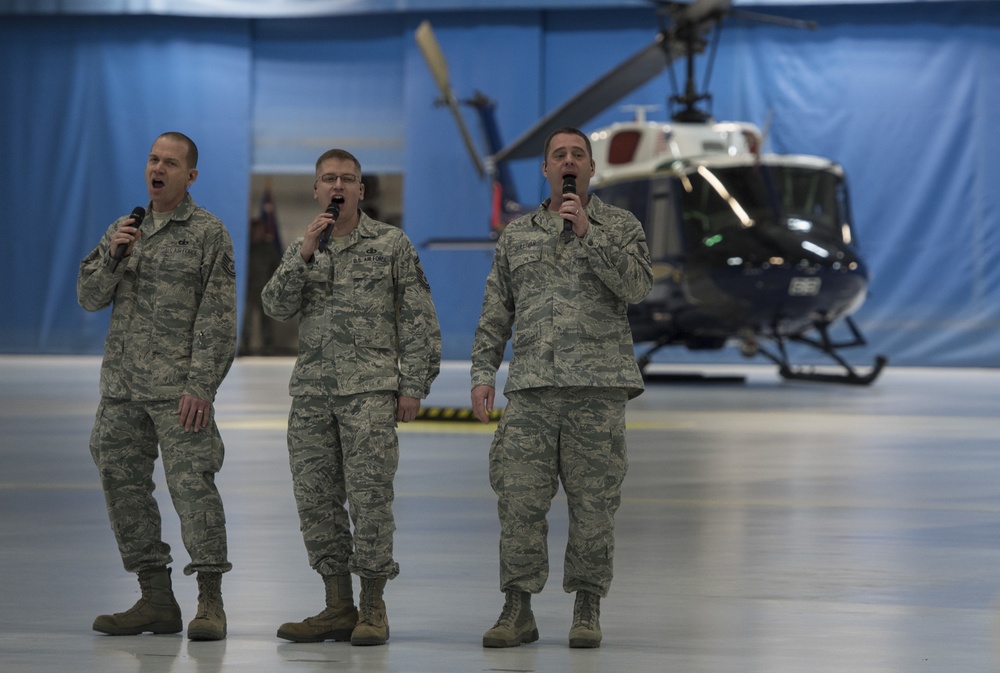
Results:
193 413
482 402
126 234
572 209
310 243
407 408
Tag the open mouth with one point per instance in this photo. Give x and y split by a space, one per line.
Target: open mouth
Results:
157 183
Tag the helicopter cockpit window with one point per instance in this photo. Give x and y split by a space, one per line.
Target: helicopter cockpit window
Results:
622 148
794 199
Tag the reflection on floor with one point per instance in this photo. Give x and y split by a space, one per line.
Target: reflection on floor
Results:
767 527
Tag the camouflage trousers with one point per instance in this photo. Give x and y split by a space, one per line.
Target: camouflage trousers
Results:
548 435
126 440
344 449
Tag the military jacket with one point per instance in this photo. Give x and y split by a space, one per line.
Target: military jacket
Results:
564 299
173 319
366 318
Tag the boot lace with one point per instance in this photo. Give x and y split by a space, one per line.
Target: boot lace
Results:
586 610
510 611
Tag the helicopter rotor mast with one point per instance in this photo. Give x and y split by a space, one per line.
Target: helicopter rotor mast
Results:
689 19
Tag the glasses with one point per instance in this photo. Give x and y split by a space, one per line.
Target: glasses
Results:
347 179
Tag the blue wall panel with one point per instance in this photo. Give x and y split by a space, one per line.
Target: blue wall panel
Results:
905 96
84 98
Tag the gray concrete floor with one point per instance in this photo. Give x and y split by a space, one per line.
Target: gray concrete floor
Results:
770 527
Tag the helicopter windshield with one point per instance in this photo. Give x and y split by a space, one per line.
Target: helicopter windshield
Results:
805 200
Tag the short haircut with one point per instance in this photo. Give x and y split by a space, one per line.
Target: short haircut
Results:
192 155
568 129
343 155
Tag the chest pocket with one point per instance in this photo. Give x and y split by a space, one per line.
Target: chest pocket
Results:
368 277
372 290
519 258
526 267
178 263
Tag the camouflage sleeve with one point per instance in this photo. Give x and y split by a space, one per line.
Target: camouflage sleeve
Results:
418 327
282 296
214 340
495 320
96 284
621 261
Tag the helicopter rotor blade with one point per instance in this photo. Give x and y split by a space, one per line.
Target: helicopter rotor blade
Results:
584 106
690 13
434 56
773 20
688 19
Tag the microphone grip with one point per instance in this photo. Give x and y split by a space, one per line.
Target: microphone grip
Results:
568 187
137 214
324 238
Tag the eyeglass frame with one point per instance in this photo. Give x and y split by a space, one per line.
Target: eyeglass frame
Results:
346 178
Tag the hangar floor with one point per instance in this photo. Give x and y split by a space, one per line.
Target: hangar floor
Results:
769 527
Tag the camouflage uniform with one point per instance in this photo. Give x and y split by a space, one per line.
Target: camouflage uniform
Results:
565 300
368 332
172 333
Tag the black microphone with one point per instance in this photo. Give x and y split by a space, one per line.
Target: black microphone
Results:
569 187
138 213
333 209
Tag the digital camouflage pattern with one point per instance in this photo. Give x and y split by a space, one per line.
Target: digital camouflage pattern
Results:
368 332
344 449
124 447
564 299
367 320
173 323
565 302
172 332
576 435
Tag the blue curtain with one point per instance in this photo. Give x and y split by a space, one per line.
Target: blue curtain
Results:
84 98
905 95
328 82
908 101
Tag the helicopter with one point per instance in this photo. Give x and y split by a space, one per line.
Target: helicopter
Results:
748 248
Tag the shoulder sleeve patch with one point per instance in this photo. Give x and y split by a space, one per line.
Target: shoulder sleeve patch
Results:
422 277
229 265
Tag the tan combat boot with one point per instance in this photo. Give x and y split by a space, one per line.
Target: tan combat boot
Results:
586 629
156 611
373 623
336 622
516 624
210 622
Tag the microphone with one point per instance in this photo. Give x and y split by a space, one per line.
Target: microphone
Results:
333 209
138 213
569 187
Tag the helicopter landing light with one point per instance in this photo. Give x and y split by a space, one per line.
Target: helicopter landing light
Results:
815 249
798 224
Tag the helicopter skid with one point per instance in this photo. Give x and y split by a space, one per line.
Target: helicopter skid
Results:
805 373
850 375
